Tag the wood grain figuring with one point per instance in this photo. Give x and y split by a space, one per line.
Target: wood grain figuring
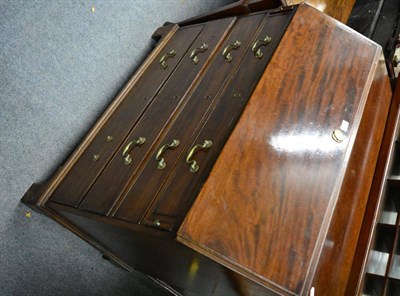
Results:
338 9
266 206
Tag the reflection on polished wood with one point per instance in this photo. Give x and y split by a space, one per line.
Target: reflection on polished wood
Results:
338 9
284 202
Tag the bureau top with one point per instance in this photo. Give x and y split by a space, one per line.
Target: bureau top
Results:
267 206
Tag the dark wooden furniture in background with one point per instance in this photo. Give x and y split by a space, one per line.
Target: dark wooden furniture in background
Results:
379 20
238 8
338 9
281 210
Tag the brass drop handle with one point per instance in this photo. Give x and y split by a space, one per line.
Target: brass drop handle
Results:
163 60
257 44
226 52
125 154
194 167
193 55
161 161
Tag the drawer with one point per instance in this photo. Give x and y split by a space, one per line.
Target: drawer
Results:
166 106
182 186
200 104
116 128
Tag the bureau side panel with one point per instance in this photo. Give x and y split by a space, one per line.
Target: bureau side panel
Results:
157 254
335 262
374 205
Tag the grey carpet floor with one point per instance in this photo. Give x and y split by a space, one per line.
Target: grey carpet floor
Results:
61 64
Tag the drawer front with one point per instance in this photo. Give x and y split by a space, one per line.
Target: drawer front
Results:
152 125
110 137
182 186
200 104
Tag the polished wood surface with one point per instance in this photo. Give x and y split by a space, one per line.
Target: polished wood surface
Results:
266 207
338 9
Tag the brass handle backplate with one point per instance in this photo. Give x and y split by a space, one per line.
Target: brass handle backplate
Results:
163 60
160 160
193 55
126 153
226 53
257 44
194 167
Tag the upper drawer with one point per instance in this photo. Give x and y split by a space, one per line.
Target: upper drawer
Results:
155 121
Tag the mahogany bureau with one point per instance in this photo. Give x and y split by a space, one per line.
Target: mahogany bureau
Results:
238 160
